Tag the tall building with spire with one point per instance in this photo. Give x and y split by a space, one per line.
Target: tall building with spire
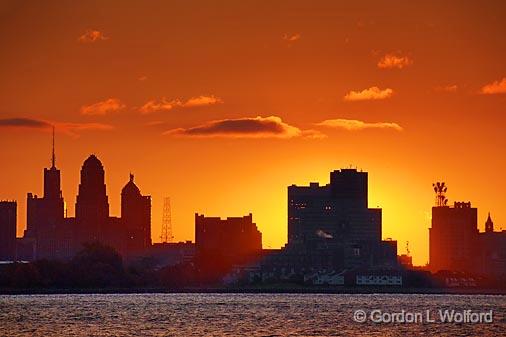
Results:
54 203
136 217
45 215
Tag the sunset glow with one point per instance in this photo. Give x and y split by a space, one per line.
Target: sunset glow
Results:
224 106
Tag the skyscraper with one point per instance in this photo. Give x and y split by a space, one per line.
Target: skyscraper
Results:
331 225
45 215
92 205
453 237
136 217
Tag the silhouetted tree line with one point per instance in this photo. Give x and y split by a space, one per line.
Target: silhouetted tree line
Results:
96 266
100 266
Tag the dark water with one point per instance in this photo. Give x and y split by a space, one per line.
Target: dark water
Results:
240 315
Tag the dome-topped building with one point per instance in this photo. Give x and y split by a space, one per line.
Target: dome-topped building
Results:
130 188
92 173
92 205
93 161
136 217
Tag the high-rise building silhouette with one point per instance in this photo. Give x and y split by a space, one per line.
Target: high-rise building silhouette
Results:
332 224
8 230
453 234
92 205
136 217
45 215
453 237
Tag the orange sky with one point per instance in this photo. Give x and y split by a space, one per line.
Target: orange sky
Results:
223 104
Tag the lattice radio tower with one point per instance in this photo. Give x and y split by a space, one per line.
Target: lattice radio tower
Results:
166 222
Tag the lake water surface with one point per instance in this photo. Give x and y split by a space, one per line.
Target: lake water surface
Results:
249 315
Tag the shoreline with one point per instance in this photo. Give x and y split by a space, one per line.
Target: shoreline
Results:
259 290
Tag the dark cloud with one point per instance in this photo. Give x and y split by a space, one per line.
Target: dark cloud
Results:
72 129
258 127
24 123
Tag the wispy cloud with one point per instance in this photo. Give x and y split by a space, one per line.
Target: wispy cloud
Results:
394 60
291 37
356 125
162 104
165 104
103 107
92 35
257 127
447 88
496 87
372 93
202 101
69 128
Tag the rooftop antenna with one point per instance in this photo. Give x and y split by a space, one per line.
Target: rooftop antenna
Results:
440 189
53 157
407 248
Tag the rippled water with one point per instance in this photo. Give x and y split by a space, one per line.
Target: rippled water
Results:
237 315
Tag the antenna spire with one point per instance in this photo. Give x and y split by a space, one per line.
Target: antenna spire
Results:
53 157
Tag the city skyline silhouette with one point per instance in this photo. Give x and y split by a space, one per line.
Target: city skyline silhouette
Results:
94 202
334 236
260 97
252 168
